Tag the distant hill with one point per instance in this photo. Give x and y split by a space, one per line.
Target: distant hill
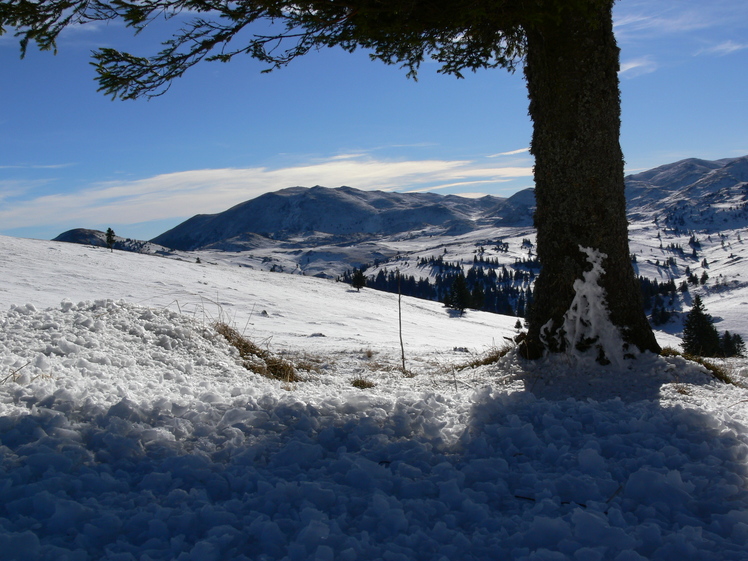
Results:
344 213
97 238
83 236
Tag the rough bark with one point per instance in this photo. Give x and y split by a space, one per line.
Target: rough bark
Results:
572 78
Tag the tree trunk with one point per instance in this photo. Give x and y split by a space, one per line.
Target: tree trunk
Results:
572 78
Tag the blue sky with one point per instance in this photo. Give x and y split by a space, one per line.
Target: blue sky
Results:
224 133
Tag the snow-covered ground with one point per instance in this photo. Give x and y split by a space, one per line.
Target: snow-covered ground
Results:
129 430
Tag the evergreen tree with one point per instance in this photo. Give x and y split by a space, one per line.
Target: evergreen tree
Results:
731 345
459 296
570 58
110 239
358 279
700 337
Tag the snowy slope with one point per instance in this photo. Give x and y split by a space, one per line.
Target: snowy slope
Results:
130 430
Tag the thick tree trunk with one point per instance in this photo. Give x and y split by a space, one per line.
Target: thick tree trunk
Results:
572 77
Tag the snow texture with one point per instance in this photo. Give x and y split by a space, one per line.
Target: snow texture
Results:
132 431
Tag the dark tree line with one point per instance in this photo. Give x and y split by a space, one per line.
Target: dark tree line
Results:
498 291
658 298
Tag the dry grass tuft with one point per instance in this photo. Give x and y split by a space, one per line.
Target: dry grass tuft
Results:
490 357
258 360
362 383
718 372
670 351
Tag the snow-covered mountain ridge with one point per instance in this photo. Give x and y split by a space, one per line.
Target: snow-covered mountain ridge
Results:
323 231
692 194
343 214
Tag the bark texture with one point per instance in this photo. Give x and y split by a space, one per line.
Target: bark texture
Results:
572 77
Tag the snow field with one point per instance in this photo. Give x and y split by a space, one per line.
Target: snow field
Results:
134 433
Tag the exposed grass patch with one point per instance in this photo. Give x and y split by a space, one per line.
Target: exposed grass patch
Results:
490 357
258 360
362 383
670 351
719 372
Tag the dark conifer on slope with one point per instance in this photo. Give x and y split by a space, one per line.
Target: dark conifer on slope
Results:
731 344
110 238
700 337
459 296
358 279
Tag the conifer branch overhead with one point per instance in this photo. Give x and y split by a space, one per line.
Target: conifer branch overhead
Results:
463 35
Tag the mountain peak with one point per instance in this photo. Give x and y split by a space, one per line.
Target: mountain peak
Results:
342 211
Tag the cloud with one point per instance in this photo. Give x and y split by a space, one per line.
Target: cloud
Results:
650 21
181 194
636 20
724 48
37 166
16 189
512 153
637 67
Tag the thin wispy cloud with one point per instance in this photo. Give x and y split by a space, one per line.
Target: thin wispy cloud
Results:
637 67
37 166
181 194
456 184
651 19
632 24
511 153
724 48
16 189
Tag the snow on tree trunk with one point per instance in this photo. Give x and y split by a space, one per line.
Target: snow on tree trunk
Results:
587 330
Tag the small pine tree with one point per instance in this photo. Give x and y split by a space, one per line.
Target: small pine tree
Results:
731 345
459 296
358 279
110 239
739 345
700 337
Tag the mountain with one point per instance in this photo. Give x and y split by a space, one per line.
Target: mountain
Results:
342 215
692 194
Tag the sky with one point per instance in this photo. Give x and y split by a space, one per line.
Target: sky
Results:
71 157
